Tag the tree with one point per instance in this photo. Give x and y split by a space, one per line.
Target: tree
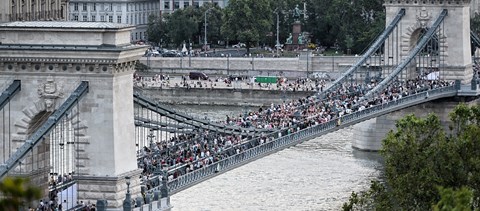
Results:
181 27
458 200
333 21
156 31
420 156
247 21
16 192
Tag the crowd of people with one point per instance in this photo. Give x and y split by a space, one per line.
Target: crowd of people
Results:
283 84
186 153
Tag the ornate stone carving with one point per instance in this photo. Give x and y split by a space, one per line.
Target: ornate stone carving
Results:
49 92
423 17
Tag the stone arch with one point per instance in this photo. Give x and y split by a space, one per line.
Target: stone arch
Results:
411 36
31 115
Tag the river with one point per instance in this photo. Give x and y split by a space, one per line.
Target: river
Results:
319 174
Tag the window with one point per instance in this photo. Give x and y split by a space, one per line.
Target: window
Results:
75 17
119 19
186 4
102 18
140 35
84 18
176 5
94 18
196 4
110 7
127 20
75 7
166 5
94 7
136 36
84 7
110 19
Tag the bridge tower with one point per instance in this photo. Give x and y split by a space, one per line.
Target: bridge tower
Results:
51 59
454 57
454 41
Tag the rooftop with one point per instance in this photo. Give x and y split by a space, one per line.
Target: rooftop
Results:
64 24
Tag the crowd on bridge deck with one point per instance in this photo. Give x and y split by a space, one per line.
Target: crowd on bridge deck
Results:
204 149
167 82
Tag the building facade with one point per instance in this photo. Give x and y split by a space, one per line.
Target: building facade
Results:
134 12
32 10
168 6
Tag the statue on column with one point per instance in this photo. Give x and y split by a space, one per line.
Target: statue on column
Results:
296 13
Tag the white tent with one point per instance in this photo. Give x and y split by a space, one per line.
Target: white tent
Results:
184 48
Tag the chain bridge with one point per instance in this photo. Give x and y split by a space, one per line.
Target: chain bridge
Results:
74 124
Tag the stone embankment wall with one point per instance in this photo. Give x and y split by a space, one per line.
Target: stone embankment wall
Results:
290 67
217 96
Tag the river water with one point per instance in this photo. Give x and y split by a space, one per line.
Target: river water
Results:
319 174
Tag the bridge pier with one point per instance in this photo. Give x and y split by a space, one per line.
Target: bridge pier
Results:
368 135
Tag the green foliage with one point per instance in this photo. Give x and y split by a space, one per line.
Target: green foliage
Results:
156 31
17 192
331 22
454 200
247 21
420 156
180 26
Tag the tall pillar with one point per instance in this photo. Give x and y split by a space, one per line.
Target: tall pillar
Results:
66 53
454 38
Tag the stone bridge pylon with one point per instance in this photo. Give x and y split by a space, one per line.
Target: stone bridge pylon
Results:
453 39
451 56
51 59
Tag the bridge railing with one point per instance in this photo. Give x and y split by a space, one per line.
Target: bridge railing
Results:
189 179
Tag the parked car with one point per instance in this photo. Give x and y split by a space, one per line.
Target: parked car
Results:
321 76
198 76
239 45
235 77
153 53
169 54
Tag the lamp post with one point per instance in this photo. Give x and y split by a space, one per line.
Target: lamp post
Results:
189 53
205 38
277 45
151 136
127 203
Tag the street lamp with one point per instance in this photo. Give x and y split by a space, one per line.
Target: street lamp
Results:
205 38
151 136
278 27
127 203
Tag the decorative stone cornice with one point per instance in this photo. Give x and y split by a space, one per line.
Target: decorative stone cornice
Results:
68 66
429 2
58 60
